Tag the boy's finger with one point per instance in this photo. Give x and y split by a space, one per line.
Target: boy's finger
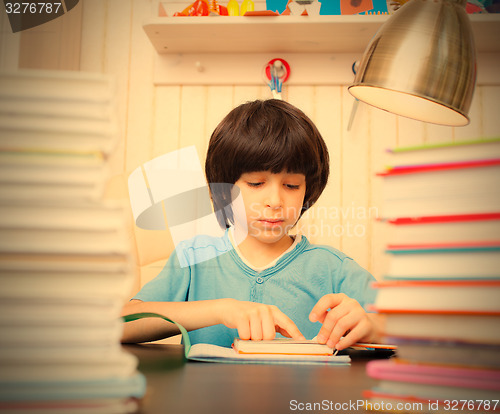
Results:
320 310
344 324
255 328
286 324
244 329
330 321
268 328
351 338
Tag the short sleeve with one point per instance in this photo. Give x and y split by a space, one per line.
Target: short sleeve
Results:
357 282
170 285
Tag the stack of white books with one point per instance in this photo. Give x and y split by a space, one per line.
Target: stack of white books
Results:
66 266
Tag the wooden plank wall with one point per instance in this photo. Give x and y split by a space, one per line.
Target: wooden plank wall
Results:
161 119
155 120
9 45
54 45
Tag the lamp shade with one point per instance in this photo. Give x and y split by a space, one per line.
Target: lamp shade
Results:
421 64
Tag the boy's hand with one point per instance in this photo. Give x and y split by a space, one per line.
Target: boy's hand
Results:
257 321
341 316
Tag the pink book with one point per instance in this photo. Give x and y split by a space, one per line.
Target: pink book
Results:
394 370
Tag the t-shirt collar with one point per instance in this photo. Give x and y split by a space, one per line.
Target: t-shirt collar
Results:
296 240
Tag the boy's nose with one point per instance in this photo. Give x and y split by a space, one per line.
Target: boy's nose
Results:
273 199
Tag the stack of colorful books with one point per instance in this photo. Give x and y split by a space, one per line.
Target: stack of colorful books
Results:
441 291
66 265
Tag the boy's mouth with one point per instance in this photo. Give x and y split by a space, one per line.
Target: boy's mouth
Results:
271 222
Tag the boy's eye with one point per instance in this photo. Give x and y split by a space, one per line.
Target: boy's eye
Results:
252 184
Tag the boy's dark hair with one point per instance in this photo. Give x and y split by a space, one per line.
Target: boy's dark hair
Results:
270 135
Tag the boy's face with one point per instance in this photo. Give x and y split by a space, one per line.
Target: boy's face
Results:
273 203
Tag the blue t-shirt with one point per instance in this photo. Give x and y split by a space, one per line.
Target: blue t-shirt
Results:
294 283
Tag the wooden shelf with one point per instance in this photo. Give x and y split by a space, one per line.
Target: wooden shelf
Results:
320 50
287 34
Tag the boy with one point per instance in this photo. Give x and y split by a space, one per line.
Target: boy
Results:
270 281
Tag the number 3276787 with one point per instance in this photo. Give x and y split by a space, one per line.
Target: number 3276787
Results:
32 7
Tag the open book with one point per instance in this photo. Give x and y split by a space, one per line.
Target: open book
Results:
277 351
